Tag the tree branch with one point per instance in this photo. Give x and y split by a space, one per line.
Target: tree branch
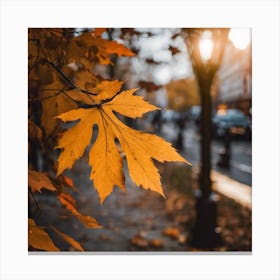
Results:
41 211
67 79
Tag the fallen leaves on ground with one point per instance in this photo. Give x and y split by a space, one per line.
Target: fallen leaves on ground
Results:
172 232
139 241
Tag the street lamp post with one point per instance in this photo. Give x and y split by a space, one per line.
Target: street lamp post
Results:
206 47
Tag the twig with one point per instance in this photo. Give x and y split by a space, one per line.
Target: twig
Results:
41 211
67 79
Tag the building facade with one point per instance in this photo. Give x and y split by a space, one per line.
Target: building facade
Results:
234 87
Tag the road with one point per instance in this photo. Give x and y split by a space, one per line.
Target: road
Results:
241 152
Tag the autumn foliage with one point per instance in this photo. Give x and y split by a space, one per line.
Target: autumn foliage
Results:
68 103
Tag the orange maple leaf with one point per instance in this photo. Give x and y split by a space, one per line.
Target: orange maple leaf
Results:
104 157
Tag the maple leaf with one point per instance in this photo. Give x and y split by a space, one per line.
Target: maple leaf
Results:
104 157
38 238
38 181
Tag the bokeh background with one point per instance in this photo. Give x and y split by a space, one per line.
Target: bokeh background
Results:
202 80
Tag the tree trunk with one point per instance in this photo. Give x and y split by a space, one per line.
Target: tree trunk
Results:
205 138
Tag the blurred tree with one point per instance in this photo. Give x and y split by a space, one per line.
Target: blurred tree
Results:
182 94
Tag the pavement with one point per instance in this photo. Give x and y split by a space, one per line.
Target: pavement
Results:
233 189
223 184
235 182
141 220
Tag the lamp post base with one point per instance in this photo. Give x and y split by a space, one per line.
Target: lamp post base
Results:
204 233
223 161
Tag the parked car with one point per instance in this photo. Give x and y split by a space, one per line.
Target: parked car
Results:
231 120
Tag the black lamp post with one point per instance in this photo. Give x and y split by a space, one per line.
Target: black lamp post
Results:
205 66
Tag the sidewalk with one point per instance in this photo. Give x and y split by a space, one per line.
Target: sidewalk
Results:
233 189
239 192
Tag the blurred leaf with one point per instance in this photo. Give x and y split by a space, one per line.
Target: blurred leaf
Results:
149 86
157 243
98 32
172 232
82 45
38 238
69 182
175 36
70 204
174 50
151 61
68 239
38 181
34 131
139 241
54 102
129 31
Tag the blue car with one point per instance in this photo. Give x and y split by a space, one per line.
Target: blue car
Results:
232 120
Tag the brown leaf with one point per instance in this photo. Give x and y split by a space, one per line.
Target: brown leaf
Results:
85 79
38 238
98 32
157 243
174 50
139 241
149 86
172 232
82 45
130 31
68 239
34 131
38 181
175 36
70 204
151 61
54 102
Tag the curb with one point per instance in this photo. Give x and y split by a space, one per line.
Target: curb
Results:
235 190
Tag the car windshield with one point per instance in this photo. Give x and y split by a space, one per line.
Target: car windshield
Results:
231 113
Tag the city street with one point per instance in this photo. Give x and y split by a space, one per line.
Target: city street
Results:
241 152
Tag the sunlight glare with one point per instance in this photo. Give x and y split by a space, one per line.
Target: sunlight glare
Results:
206 45
240 37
